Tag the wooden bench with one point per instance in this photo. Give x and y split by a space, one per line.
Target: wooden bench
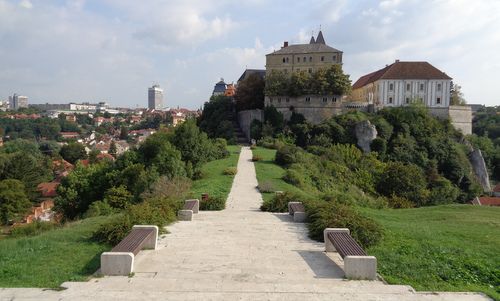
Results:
357 264
297 210
190 207
120 260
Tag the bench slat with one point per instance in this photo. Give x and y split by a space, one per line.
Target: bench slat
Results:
189 205
297 208
134 241
345 244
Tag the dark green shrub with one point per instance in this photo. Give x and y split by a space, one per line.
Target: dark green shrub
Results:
256 129
256 158
266 187
398 202
113 231
214 203
99 208
32 229
287 155
279 203
230 171
323 215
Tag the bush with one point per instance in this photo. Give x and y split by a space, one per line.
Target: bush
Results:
397 202
157 211
99 208
279 203
287 155
214 203
266 187
32 229
323 215
230 171
256 158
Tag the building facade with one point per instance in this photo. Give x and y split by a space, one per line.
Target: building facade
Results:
18 101
315 108
403 83
219 88
155 98
303 57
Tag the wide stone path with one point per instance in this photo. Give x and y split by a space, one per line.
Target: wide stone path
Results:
239 253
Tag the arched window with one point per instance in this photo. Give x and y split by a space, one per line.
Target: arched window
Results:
310 59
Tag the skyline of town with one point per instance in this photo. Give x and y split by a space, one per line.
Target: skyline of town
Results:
122 51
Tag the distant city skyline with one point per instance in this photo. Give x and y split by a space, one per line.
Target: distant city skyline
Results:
108 50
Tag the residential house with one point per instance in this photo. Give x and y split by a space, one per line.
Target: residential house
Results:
70 135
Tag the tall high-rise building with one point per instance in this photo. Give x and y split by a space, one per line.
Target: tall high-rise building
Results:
155 98
18 101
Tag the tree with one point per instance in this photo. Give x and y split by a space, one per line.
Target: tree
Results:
73 152
250 93
112 148
123 133
457 97
118 197
404 180
158 153
13 201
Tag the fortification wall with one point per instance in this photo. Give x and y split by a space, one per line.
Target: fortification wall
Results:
245 119
460 117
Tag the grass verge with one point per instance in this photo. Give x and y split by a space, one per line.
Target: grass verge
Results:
441 248
214 181
270 173
53 257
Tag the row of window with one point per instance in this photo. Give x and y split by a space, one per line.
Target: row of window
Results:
408 87
304 59
407 100
307 99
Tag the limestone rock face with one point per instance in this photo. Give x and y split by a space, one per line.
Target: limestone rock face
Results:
479 166
365 133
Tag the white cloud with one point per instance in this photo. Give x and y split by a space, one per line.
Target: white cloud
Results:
26 4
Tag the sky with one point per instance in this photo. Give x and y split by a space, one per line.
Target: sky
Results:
61 51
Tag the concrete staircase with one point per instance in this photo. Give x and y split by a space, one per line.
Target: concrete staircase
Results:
239 253
239 135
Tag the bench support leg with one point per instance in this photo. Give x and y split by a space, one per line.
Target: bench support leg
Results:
328 244
117 263
152 242
299 217
185 215
360 267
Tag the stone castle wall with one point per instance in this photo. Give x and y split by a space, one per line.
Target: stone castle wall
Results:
314 108
245 119
460 117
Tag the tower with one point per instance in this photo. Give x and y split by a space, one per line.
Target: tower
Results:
155 97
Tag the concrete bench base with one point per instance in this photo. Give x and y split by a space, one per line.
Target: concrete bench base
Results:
196 207
117 263
185 215
299 217
360 267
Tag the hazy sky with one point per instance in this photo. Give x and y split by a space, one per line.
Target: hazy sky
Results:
92 50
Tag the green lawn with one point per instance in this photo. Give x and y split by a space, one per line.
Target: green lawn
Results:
214 182
268 172
445 248
53 257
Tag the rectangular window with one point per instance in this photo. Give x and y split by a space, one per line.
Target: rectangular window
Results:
279 100
310 59
304 59
408 87
287 99
334 58
421 87
438 100
334 99
325 99
390 100
407 100
322 58
310 70
391 87
439 87
298 59
308 99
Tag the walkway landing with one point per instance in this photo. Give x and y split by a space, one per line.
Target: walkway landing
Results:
239 253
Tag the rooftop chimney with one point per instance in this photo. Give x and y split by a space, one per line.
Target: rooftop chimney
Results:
285 44
397 61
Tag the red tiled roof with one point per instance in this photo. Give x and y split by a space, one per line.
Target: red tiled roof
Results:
48 190
402 70
105 156
489 201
